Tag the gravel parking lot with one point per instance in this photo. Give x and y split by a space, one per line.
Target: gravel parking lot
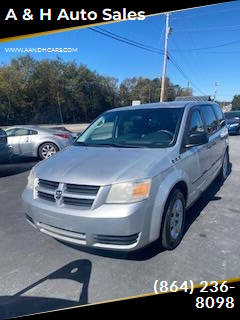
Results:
37 273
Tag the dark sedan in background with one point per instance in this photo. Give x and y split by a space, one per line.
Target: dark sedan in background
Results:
233 121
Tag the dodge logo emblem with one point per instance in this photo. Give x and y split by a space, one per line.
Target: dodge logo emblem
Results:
58 194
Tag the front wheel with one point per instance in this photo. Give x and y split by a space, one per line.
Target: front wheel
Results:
47 149
174 220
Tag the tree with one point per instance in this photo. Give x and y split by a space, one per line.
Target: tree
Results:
13 92
55 91
147 90
236 102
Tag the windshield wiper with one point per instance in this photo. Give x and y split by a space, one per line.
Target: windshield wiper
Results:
95 144
118 145
115 145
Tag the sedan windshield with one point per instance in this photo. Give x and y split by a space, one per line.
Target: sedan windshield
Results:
151 128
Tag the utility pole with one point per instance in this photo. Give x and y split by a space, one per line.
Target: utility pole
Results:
165 58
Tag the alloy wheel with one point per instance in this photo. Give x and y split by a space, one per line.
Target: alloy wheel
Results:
176 219
48 150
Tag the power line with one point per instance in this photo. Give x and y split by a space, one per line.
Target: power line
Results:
223 28
129 42
193 16
194 55
185 76
144 47
154 49
212 47
218 52
181 53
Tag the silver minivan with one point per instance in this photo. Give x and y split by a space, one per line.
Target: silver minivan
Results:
129 179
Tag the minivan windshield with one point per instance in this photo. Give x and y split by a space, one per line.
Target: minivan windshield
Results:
151 128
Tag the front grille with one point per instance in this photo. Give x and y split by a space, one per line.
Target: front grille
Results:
78 202
48 184
79 196
46 196
82 189
116 240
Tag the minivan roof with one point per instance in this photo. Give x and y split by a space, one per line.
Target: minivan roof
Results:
171 104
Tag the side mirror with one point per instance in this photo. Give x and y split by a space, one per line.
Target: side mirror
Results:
196 139
222 123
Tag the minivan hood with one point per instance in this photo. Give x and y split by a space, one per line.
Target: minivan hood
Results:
103 165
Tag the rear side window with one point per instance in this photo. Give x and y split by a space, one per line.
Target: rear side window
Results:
32 132
210 119
219 114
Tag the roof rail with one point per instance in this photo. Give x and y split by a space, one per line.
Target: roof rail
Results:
193 98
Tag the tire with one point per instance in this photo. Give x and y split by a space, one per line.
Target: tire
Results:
174 220
46 150
224 168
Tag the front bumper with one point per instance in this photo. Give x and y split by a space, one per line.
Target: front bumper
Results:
110 226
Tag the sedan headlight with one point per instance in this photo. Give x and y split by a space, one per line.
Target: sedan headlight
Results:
129 192
31 179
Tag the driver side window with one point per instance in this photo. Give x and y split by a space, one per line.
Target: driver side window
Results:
11 132
196 124
21 132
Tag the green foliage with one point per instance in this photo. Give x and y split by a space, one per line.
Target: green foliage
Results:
148 90
236 102
54 91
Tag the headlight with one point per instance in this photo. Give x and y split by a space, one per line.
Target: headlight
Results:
129 192
31 179
234 125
